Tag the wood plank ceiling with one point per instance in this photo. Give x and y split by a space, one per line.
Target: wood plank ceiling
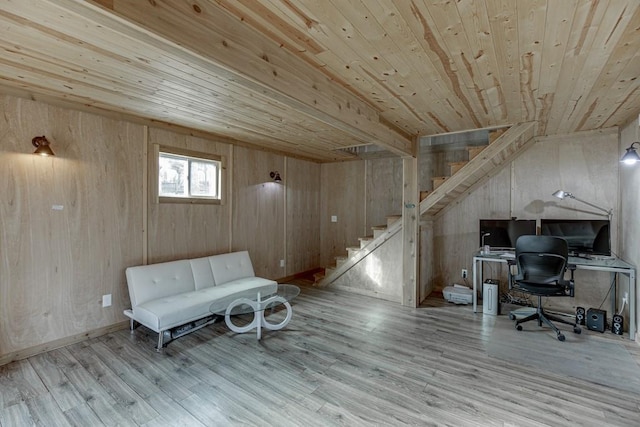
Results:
309 77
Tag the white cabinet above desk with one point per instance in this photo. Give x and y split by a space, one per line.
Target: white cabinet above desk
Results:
613 266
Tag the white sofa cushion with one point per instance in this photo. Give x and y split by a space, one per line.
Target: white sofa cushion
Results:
231 266
202 274
164 313
243 288
148 283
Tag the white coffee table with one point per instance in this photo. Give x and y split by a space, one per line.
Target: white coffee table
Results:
257 305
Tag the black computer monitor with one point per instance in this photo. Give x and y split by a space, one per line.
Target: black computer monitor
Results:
503 233
584 236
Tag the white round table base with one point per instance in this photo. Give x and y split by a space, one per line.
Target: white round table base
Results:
259 321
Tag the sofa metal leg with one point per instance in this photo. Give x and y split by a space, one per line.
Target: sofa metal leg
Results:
160 341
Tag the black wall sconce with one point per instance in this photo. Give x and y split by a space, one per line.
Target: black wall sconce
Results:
631 156
275 175
42 146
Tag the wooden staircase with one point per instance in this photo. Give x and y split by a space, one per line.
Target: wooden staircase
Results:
484 162
454 167
354 251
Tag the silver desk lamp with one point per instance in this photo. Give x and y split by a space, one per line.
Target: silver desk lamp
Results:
561 194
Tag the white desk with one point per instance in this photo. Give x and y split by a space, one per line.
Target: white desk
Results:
613 266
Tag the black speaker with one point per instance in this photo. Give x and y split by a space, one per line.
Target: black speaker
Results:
580 315
617 324
596 319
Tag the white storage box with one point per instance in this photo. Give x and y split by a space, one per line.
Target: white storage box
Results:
458 294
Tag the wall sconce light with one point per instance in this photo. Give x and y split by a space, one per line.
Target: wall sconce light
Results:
631 157
42 146
275 175
561 194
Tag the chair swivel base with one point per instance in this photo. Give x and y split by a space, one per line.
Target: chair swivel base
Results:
542 317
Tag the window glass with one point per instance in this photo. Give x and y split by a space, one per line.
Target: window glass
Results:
182 176
204 179
173 175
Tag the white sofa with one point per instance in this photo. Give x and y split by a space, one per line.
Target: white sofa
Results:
174 298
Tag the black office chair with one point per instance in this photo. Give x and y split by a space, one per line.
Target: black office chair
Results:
542 263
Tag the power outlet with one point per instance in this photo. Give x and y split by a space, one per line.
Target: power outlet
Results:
106 300
464 273
281 263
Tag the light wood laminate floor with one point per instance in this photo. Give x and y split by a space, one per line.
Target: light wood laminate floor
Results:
344 359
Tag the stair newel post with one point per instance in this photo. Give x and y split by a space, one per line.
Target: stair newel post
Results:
410 241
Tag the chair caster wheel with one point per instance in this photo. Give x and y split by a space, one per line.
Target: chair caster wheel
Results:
576 329
560 337
519 327
512 316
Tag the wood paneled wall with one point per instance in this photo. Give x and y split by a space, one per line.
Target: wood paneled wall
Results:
455 230
302 181
259 209
384 190
628 242
342 195
179 230
69 224
55 265
585 164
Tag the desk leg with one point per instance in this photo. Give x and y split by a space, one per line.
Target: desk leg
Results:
475 285
258 317
614 293
632 304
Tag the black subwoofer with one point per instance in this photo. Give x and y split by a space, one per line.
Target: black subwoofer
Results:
596 319
617 325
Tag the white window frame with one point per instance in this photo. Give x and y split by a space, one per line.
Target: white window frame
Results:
189 155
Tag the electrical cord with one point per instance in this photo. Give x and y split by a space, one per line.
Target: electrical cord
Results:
624 302
613 283
523 299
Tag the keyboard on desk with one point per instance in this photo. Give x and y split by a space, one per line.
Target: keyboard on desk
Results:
502 252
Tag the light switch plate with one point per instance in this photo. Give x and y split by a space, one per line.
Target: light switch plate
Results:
106 300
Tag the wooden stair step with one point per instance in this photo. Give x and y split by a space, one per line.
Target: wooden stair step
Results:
341 259
318 276
475 150
456 166
378 230
364 241
391 219
495 134
424 194
329 269
352 250
438 181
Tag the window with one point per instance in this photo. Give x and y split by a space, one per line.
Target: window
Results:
188 177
